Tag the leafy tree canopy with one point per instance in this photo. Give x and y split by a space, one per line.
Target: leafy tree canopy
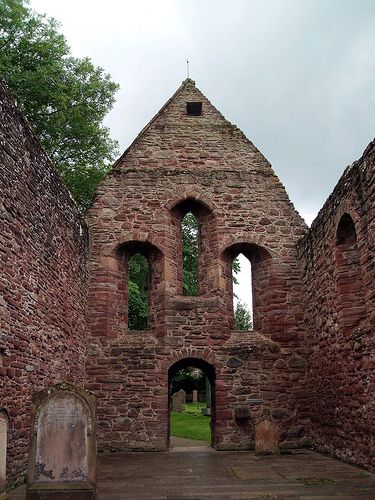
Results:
188 379
190 278
190 256
138 292
64 98
242 317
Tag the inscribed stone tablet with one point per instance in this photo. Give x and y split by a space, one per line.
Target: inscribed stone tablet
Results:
61 447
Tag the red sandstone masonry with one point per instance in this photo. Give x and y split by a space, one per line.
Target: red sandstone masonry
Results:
206 165
340 303
43 254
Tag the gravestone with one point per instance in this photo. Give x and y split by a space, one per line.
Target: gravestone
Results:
3 449
207 411
62 459
195 396
267 437
178 400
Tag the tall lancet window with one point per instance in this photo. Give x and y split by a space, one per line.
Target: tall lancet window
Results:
350 296
242 293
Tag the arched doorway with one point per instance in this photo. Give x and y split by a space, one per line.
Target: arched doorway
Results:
208 372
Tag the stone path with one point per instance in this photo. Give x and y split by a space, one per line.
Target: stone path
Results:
178 444
227 476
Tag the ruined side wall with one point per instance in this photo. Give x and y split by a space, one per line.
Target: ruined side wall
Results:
340 318
43 252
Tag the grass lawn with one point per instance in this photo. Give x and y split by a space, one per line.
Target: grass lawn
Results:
191 423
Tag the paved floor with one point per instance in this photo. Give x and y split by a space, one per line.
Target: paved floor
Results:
189 475
178 444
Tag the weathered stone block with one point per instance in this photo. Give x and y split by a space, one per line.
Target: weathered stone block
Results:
267 437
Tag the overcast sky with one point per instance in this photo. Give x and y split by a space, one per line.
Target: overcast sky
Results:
297 76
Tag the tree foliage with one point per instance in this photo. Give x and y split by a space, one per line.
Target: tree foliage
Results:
64 98
236 268
138 292
242 317
190 255
188 379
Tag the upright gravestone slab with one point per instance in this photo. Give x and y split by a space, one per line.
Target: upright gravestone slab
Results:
62 459
178 400
183 396
195 396
3 449
267 438
207 411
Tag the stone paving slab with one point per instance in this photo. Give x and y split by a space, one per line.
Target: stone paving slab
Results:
226 476
257 473
178 445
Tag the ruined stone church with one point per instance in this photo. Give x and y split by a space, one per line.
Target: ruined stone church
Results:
307 365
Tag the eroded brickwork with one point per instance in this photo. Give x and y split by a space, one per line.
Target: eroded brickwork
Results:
44 248
206 165
339 275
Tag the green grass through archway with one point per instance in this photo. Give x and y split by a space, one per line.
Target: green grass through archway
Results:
191 423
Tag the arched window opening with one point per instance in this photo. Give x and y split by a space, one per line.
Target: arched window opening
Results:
346 233
191 402
138 290
251 266
348 276
195 234
242 293
190 255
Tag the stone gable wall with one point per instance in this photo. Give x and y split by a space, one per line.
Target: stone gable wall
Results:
43 254
205 164
340 314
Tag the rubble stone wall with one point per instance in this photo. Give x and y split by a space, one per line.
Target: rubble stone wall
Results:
205 165
339 275
43 254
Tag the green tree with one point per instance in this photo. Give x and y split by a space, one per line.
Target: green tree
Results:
190 255
64 98
236 268
242 317
138 292
188 379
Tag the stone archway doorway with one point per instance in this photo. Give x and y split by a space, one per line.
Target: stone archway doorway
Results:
208 371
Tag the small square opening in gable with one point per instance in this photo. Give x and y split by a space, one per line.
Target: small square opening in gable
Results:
194 108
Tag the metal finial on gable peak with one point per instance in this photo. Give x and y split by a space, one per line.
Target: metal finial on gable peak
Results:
188 79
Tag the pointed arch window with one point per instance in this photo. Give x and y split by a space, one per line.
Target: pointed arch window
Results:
242 293
256 291
195 236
